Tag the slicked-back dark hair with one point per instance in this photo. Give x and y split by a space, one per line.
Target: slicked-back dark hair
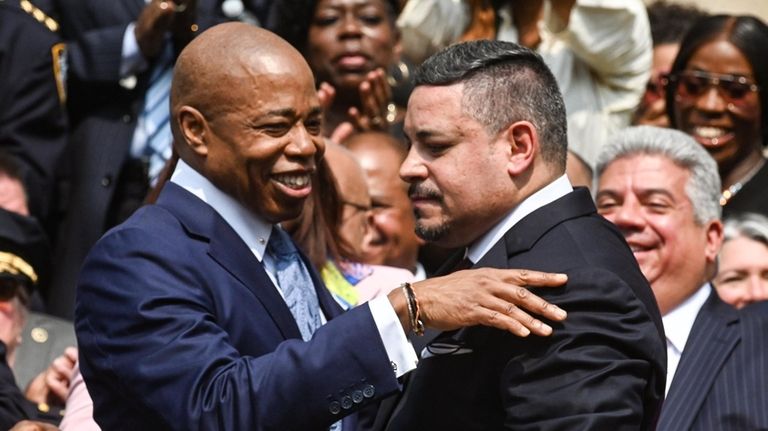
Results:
503 83
747 33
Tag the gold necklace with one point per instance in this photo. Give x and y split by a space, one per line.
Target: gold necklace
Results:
731 191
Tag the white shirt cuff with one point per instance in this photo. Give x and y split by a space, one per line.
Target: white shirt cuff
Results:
132 60
399 350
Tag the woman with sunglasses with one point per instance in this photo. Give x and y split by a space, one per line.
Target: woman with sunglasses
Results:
669 24
718 93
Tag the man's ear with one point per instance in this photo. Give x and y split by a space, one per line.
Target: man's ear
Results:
714 239
193 129
523 143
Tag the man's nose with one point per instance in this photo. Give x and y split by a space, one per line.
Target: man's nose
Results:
304 144
629 215
412 169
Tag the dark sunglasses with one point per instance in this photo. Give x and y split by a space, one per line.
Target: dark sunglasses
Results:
655 88
733 88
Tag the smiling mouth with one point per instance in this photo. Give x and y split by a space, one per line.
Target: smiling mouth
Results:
293 181
639 248
711 136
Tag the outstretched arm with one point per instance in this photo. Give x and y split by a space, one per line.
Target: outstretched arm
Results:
484 296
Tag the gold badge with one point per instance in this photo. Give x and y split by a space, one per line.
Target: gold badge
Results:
59 55
39 335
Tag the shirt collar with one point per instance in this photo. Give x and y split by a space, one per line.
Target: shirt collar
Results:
551 192
679 322
420 273
252 229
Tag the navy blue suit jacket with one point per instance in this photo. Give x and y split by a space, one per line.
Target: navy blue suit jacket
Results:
721 382
180 327
603 368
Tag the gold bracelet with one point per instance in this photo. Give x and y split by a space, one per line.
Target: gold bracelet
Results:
408 304
417 326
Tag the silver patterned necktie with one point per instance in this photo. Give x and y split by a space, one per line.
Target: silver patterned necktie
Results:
297 286
295 282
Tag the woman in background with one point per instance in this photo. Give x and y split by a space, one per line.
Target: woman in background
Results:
742 276
718 94
353 48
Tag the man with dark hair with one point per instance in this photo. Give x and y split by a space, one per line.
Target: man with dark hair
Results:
198 312
486 167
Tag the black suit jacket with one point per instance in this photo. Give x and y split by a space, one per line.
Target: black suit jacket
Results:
721 382
603 368
33 126
14 407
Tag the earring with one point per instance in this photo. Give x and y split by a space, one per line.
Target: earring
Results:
398 74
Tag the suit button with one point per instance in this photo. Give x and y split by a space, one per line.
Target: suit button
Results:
126 118
368 391
334 407
106 181
39 335
346 402
357 396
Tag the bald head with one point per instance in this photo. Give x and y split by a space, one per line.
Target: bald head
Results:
219 66
245 115
393 240
353 191
349 175
378 142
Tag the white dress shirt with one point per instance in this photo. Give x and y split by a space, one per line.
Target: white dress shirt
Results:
550 193
255 231
677 327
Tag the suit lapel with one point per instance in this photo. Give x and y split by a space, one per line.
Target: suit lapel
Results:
521 237
229 251
714 335
525 233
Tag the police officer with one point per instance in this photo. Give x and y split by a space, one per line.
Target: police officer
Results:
33 126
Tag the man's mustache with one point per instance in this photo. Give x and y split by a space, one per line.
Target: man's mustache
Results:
420 191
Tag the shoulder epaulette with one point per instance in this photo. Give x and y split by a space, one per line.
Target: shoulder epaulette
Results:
39 15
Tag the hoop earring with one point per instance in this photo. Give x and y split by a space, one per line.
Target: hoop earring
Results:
398 74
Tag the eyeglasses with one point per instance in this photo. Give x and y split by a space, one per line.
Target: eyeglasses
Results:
655 88
733 88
